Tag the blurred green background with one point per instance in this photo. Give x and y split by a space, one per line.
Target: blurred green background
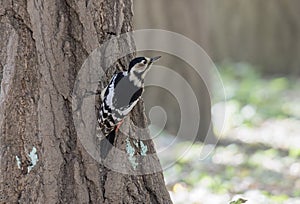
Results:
256 47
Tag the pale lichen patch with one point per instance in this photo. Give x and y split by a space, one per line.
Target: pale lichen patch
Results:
144 148
130 151
18 162
33 158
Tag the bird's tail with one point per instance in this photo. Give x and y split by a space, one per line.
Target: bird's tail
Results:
107 143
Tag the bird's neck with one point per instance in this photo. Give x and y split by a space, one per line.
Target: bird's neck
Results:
137 78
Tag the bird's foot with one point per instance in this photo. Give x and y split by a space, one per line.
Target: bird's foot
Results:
119 125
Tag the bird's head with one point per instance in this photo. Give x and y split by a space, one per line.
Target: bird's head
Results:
140 65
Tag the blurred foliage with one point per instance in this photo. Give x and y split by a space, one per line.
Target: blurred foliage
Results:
258 175
261 161
238 201
269 97
256 97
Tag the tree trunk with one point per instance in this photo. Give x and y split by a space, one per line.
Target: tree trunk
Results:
44 44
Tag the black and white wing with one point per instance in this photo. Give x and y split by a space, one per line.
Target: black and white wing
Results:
106 121
118 99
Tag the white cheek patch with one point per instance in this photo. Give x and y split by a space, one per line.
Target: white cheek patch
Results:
140 70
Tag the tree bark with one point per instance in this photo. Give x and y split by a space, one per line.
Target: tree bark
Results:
44 44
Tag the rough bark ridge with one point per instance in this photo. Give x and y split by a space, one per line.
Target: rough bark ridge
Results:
44 44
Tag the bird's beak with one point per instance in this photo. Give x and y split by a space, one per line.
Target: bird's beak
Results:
153 59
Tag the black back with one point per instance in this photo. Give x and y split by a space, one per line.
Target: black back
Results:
125 93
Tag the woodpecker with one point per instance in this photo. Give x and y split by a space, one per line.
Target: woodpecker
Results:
119 97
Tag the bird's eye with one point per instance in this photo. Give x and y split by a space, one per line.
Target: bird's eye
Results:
144 62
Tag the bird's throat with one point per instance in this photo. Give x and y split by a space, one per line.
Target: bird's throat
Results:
137 78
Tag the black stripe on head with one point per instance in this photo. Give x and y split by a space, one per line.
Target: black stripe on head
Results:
135 61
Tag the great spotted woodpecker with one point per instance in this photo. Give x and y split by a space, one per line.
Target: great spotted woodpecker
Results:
119 97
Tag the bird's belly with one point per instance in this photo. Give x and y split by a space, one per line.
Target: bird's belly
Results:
122 112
